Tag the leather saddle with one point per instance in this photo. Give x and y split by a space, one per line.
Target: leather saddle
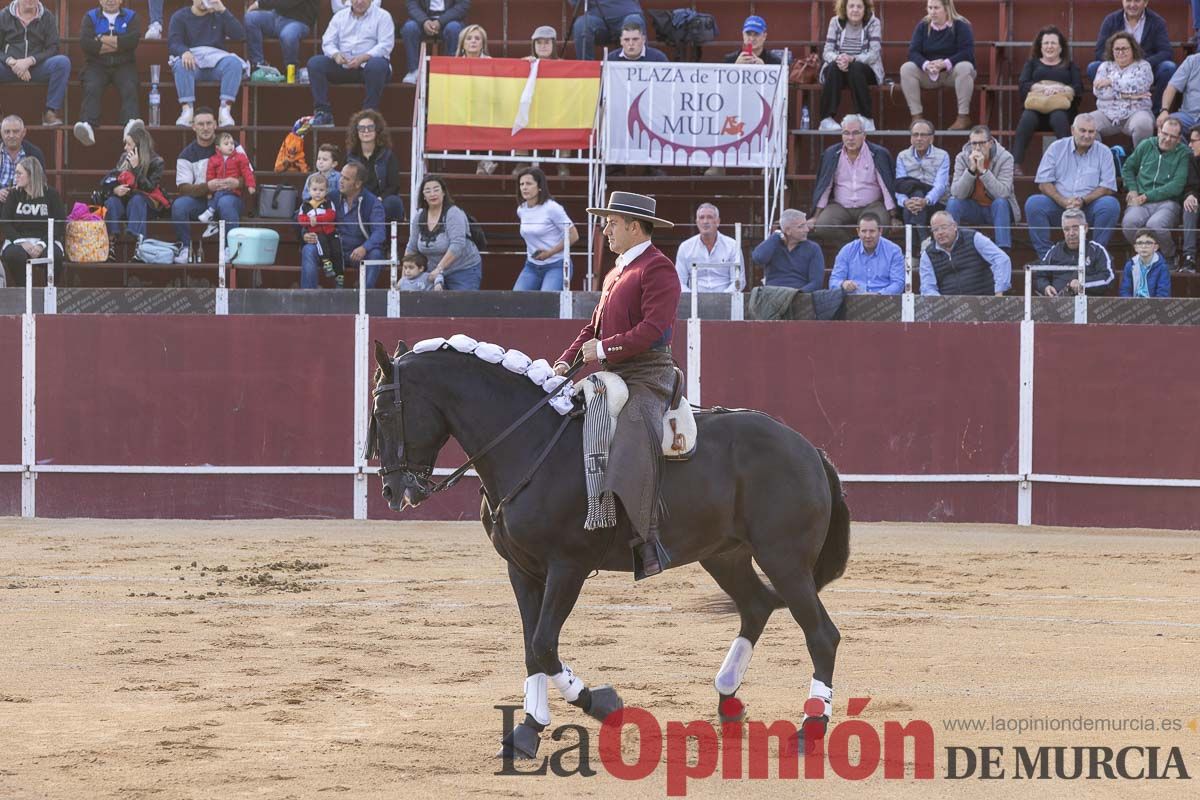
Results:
678 425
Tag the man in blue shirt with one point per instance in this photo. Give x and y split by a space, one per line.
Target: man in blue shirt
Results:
1074 173
871 264
922 178
361 228
788 258
962 261
602 24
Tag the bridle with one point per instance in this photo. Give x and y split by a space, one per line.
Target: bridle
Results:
422 474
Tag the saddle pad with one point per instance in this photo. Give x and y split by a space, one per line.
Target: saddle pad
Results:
678 426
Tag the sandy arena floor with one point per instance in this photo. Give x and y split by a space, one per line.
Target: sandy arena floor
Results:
157 659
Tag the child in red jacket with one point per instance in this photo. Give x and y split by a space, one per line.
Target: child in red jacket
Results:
227 162
318 216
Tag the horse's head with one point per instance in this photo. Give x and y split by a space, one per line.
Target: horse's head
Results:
407 431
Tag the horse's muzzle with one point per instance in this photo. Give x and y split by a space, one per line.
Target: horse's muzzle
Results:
407 497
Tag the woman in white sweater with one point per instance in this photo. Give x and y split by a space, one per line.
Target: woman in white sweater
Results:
852 61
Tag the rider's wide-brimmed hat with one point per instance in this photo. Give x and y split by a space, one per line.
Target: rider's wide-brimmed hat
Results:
629 204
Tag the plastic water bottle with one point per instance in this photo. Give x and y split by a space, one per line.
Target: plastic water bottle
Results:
155 98
805 119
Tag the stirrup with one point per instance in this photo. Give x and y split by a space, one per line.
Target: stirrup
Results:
646 560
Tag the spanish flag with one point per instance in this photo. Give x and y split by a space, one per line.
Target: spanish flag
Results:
510 103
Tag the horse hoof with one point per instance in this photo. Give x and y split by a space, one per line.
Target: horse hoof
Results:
521 744
799 745
731 710
605 701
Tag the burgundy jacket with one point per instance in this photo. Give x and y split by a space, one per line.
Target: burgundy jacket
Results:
636 311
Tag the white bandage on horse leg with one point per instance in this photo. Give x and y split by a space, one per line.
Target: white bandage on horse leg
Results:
733 668
569 685
537 705
819 690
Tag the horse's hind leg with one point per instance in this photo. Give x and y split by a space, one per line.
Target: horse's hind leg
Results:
735 574
793 580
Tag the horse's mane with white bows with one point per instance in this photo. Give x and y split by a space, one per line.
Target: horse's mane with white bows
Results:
539 372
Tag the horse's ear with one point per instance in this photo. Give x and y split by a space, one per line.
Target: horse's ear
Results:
401 348
382 359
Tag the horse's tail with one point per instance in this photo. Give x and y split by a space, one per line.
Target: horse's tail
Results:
831 562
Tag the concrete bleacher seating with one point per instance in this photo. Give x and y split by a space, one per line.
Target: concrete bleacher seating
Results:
265 113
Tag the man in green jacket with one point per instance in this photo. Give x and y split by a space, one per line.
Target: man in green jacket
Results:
1154 178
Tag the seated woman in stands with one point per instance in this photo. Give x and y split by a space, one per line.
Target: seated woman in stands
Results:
472 43
1122 88
941 55
1051 88
441 232
542 45
543 222
852 61
136 192
369 143
30 203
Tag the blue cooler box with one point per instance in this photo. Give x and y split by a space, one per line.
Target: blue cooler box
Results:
252 246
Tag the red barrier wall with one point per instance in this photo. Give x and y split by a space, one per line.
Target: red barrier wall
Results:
884 399
10 413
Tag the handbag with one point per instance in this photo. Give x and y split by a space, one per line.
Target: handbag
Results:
154 251
1045 103
87 241
277 201
805 70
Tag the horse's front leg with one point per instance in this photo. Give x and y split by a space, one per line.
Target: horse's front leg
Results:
523 740
563 586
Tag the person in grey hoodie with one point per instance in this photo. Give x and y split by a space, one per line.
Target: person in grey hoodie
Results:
29 48
981 190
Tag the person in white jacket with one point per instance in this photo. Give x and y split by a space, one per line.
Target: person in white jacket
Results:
357 48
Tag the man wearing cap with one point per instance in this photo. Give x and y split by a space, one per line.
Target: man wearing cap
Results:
602 23
754 41
630 334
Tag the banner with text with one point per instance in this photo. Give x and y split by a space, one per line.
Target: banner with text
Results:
725 115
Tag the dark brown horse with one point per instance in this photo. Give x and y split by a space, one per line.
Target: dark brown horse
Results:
754 490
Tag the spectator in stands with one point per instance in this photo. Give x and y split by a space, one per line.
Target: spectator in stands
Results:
634 47
135 201
289 21
429 19
542 221
473 43
754 44
31 202
787 256
196 37
154 30
369 143
542 43
191 181
361 229
1150 30
1185 82
29 47
870 264
709 247
1191 203
318 216
413 277
15 148
227 162
1051 89
1122 89
982 189
603 23
1098 271
962 261
441 231
941 54
108 36
356 48
327 167
1155 176
1074 173
849 184
922 178
852 61
1146 274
